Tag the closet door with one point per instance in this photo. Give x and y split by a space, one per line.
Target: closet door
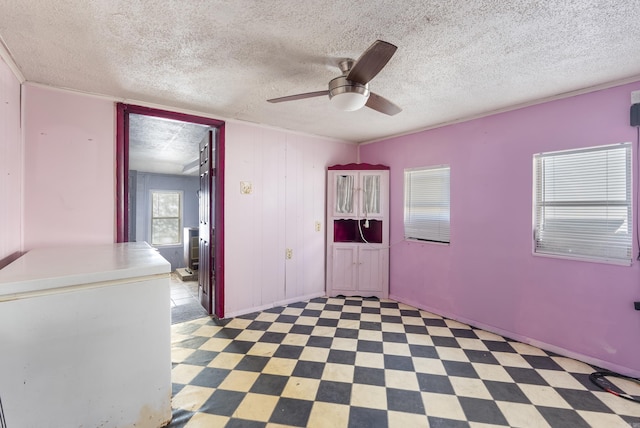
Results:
205 223
268 233
304 214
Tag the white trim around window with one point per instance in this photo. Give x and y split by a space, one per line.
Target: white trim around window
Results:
582 206
427 203
166 217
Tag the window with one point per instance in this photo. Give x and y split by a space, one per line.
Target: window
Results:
426 203
166 218
582 206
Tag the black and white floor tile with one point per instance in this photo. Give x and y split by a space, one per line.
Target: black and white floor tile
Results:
354 362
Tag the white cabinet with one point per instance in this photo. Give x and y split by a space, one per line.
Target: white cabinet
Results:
359 269
358 230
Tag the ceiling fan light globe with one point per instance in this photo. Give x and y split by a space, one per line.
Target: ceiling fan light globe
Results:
349 101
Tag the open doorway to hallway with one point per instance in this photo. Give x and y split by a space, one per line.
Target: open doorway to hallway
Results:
170 173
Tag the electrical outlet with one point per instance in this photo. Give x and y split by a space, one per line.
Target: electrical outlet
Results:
318 226
289 254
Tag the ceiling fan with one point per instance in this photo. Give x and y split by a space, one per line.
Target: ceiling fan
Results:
350 91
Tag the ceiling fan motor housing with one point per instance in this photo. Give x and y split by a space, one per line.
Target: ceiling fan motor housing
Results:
348 95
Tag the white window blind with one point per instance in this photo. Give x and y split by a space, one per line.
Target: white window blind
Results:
582 206
427 203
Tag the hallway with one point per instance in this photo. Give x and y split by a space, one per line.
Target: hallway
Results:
184 300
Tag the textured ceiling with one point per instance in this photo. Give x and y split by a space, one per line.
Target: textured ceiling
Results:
455 59
164 146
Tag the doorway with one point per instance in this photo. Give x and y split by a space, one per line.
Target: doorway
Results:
211 271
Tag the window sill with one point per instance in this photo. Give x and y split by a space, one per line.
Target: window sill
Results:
584 259
424 241
159 246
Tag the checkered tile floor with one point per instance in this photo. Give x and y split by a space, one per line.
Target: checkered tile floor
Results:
354 362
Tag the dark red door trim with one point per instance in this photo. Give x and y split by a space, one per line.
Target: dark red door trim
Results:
122 176
122 183
218 284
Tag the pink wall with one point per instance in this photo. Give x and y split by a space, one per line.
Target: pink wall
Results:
10 167
69 185
488 276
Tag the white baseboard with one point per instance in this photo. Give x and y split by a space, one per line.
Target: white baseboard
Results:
626 371
274 304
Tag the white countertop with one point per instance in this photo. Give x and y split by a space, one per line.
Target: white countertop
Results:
51 268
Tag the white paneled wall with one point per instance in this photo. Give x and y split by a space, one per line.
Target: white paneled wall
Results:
11 166
69 168
287 173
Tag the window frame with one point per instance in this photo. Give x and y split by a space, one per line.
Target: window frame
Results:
626 242
180 194
442 238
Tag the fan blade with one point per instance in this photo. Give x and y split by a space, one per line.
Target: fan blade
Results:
383 105
371 62
299 96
